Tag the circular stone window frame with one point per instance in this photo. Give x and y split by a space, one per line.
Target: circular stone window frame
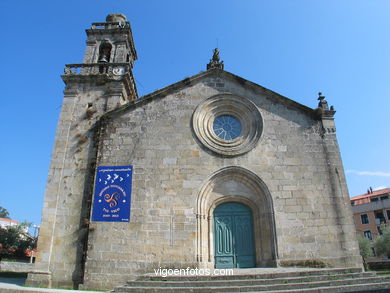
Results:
227 104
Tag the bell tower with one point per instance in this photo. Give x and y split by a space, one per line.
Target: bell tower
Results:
109 58
103 82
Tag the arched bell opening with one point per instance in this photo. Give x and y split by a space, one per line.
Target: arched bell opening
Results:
104 55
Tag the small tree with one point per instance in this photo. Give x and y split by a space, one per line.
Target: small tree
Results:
365 245
382 242
14 241
4 213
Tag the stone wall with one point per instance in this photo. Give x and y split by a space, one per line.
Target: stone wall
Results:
294 158
65 215
16 267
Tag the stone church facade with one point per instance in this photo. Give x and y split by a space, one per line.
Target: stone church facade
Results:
225 173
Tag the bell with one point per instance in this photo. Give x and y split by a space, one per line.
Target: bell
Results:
103 59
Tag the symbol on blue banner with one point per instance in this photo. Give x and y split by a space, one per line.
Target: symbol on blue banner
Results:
112 195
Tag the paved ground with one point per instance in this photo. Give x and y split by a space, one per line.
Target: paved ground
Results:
15 285
16 281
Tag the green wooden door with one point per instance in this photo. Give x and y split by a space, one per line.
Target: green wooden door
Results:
233 236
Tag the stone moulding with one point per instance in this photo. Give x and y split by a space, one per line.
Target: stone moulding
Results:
236 184
227 104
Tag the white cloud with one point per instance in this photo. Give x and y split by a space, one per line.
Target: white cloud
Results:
379 188
369 173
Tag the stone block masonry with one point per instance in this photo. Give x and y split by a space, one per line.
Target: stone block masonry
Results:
280 179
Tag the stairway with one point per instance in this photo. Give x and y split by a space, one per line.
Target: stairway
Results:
260 280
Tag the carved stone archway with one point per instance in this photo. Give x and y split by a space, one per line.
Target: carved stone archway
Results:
236 184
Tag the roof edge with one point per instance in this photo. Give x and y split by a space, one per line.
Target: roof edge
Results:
256 88
374 193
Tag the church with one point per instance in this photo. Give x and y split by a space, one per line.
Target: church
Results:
213 171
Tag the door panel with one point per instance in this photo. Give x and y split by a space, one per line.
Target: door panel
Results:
244 241
224 241
234 242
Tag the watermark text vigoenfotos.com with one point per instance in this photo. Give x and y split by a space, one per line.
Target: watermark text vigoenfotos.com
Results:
192 272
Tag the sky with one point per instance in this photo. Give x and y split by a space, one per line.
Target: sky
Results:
295 48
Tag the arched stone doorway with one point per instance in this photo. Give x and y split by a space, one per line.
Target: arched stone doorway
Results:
236 185
233 236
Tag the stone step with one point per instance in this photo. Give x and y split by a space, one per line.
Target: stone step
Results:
354 283
242 282
253 274
360 288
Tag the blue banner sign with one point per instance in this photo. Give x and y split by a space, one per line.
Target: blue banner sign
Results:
112 194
